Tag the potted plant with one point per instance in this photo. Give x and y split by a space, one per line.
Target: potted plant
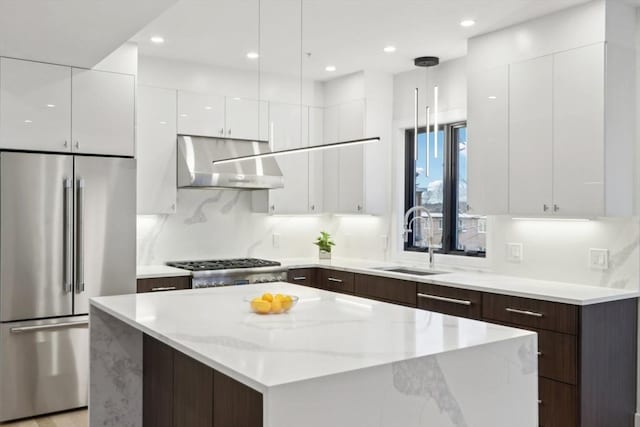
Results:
324 243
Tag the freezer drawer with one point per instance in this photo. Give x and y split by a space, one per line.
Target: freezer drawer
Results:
44 366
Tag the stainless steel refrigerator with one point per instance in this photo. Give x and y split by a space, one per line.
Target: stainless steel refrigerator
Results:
67 233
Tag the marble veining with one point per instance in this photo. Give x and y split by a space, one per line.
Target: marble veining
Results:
115 396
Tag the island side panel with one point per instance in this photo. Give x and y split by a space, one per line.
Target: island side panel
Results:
493 385
115 392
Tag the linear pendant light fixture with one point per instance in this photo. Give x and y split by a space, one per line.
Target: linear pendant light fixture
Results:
298 150
272 133
426 61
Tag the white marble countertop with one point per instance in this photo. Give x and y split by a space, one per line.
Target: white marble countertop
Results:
568 293
153 271
325 333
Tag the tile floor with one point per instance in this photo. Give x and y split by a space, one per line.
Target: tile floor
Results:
77 418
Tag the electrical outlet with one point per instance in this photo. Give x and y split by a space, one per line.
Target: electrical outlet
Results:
275 240
515 252
598 259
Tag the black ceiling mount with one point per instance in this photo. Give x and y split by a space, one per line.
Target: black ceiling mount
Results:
426 61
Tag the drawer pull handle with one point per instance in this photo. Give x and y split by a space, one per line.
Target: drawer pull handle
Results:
525 312
300 278
539 354
451 300
36 328
164 288
539 402
332 279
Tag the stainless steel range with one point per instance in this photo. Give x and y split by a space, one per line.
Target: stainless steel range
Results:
230 272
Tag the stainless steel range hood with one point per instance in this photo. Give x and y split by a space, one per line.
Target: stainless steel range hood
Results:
196 169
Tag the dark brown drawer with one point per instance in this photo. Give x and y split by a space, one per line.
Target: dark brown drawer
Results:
558 404
164 284
533 313
337 281
385 289
452 301
558 356
303 276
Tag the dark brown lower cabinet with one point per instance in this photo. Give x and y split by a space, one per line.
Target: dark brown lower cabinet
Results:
384 289
159 284
558 403
303 276
179 391
452 301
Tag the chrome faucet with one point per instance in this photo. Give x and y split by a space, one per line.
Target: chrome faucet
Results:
407 228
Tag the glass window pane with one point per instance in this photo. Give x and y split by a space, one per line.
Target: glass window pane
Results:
471 229
429 189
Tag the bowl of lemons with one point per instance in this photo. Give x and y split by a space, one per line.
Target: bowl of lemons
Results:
272 304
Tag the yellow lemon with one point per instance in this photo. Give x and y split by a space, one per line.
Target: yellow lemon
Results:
278 297
287 302
276 306
267 297
260 306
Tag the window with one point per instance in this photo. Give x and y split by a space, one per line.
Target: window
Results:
440 185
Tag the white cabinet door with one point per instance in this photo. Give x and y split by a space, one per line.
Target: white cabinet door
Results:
285 124
530 136
156 150
351 159
246 119
102 113
35 106
200 114
330 169
315 131
488 141
578 131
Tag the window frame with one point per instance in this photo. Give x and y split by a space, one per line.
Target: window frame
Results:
450 189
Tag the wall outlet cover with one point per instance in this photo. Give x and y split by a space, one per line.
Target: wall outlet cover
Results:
515 252
598 259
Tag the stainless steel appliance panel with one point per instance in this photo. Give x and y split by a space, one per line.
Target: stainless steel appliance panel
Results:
44 366
105 228
35 235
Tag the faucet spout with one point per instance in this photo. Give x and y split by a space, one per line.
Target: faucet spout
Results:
407 228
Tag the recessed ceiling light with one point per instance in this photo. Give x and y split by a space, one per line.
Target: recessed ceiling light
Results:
330 68
253 55
208 107
390 49
184 115
236 98
492 97
28 121
51 105
163 122
467 23
157 39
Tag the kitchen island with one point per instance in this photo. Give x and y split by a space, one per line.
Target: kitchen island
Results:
201 357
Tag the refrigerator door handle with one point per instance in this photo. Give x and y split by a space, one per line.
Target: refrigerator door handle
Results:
37 328
80 237
68 235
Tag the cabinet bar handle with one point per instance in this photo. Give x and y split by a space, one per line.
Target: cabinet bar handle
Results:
164 288
539 354
525 312
539 402
445 299
300 278
331 279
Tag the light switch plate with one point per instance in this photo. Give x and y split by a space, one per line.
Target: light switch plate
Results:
515 252
275 240
598 259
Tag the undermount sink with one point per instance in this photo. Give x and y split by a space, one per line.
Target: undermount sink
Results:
408 271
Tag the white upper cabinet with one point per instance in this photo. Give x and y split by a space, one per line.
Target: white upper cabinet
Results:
246 118
200 114
156 150
578 131
103 116
316 159
530 136
488 141
286 132
35 106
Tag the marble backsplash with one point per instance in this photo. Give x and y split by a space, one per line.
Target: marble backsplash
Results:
220 224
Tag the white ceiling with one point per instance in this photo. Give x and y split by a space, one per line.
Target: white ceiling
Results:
72 32
349 34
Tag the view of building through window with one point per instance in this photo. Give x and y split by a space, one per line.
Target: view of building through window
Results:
440 185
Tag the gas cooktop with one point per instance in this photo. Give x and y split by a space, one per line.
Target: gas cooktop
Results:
223 264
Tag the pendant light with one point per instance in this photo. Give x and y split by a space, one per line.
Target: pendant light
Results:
426 62
271 132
